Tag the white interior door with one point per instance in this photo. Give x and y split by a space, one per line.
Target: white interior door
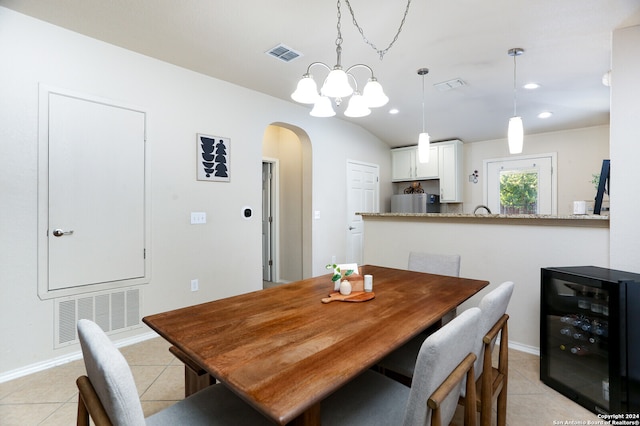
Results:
362 196
95 192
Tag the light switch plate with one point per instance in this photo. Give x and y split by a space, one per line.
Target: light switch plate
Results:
194 285
198 218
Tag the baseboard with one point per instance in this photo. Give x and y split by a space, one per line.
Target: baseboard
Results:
64 359
524 348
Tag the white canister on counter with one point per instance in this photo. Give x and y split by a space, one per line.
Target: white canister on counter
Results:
579 207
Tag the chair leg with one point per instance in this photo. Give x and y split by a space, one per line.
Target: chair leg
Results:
83 414
502 406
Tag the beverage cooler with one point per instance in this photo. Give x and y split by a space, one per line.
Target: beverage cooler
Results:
590 337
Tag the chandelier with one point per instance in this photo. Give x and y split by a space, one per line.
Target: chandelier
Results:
338 83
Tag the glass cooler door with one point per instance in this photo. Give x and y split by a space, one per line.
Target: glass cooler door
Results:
577 341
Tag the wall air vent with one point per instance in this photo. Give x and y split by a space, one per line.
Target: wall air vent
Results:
450 84
284 53
114 311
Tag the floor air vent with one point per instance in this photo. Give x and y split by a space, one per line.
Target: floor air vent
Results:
114 311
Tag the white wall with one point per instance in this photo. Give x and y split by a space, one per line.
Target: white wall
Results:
625 150
580 154
224 254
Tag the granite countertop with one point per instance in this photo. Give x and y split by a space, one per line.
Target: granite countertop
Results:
490 216
583 220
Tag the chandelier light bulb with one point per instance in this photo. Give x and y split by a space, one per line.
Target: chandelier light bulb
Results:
306 90
323 108
337 84
373 94
357 106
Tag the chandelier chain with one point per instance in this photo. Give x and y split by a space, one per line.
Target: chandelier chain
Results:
380 52
339 27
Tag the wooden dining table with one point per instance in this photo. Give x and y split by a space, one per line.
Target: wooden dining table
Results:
283 351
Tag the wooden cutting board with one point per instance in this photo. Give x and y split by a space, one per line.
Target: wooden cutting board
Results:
355 296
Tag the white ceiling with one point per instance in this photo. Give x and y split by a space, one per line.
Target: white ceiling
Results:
567 47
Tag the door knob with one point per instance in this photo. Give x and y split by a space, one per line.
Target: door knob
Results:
60 232
351 228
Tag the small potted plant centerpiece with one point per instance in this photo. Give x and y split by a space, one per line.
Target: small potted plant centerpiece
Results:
339 275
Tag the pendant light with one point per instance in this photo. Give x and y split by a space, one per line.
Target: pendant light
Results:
423 138
515 134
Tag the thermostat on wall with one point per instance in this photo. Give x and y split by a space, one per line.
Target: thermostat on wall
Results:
247 212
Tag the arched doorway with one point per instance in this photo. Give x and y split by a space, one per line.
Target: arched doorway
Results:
287 216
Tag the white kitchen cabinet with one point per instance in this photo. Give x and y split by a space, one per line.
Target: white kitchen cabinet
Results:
405 165
450 164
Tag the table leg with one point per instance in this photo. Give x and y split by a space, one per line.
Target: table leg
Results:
311 417
195 378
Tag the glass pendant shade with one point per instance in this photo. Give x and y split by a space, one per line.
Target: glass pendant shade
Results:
337 84
323 108
515 135
373 94
423 147
357 106
306 91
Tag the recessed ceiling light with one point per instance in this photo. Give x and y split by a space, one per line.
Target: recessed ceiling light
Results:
531 86
393 111
545 114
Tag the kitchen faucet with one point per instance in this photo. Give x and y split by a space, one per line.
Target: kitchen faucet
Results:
481 206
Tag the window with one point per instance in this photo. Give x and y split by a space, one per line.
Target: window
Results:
521 185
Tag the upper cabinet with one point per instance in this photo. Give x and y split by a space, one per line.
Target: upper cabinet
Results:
450 161
445 163
406 166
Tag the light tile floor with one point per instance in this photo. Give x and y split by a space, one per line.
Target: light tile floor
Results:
50 397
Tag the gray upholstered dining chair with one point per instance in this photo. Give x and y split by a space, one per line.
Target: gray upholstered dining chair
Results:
444 360
491 381
109 396
441 264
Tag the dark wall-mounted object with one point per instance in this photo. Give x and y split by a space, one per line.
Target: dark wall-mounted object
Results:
603 186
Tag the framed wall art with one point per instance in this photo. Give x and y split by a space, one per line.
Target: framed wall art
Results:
214 161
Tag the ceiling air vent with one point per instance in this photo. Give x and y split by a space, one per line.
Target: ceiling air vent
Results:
450 84
284 53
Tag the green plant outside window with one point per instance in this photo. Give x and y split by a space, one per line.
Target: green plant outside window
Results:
519 192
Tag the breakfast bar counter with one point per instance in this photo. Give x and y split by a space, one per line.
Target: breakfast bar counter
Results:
601 221
498 247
